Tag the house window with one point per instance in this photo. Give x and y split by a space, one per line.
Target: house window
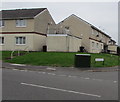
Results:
20 23
20 40
101 46
1 40
92 44
97 34
97 45
2 24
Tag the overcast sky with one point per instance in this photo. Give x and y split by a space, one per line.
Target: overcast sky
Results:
103 15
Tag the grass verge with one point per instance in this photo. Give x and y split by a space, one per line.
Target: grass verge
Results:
58 59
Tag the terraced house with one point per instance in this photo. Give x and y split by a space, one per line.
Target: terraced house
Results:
93 39
35 30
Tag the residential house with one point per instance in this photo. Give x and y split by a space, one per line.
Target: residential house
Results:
93 39
24 29
30 29
35 30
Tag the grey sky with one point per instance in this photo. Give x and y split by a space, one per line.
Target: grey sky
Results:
100 14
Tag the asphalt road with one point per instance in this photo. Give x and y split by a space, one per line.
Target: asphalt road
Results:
59 85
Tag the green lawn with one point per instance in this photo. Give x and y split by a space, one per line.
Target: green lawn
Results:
4 55
58 59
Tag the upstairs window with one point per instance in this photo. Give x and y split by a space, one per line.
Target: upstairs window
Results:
1 40
20 40
2 24
97 33
21 23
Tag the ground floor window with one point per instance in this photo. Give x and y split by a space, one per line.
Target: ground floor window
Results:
2 24
1 40
20 40
101 46
93 44
97 45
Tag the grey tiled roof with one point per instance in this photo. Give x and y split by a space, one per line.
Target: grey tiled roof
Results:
20 13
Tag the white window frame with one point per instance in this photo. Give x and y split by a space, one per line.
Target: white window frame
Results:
20 40
2 23
21 23
97 45
2 40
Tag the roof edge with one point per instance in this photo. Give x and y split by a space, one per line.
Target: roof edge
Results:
40 13
31 17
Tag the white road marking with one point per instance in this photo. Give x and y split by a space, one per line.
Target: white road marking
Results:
51 69
23 70
14 69
97 79
72 76
86 78
43 72
52 88
18 64
51 73
115 81
64 75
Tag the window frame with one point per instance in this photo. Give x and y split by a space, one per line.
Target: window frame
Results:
2 23
93 44
101 46
19 23
20 40
97 45
2 40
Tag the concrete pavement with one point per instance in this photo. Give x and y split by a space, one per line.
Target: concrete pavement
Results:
49 68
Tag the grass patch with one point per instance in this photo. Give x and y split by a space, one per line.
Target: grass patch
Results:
110 60
5 55
59 59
